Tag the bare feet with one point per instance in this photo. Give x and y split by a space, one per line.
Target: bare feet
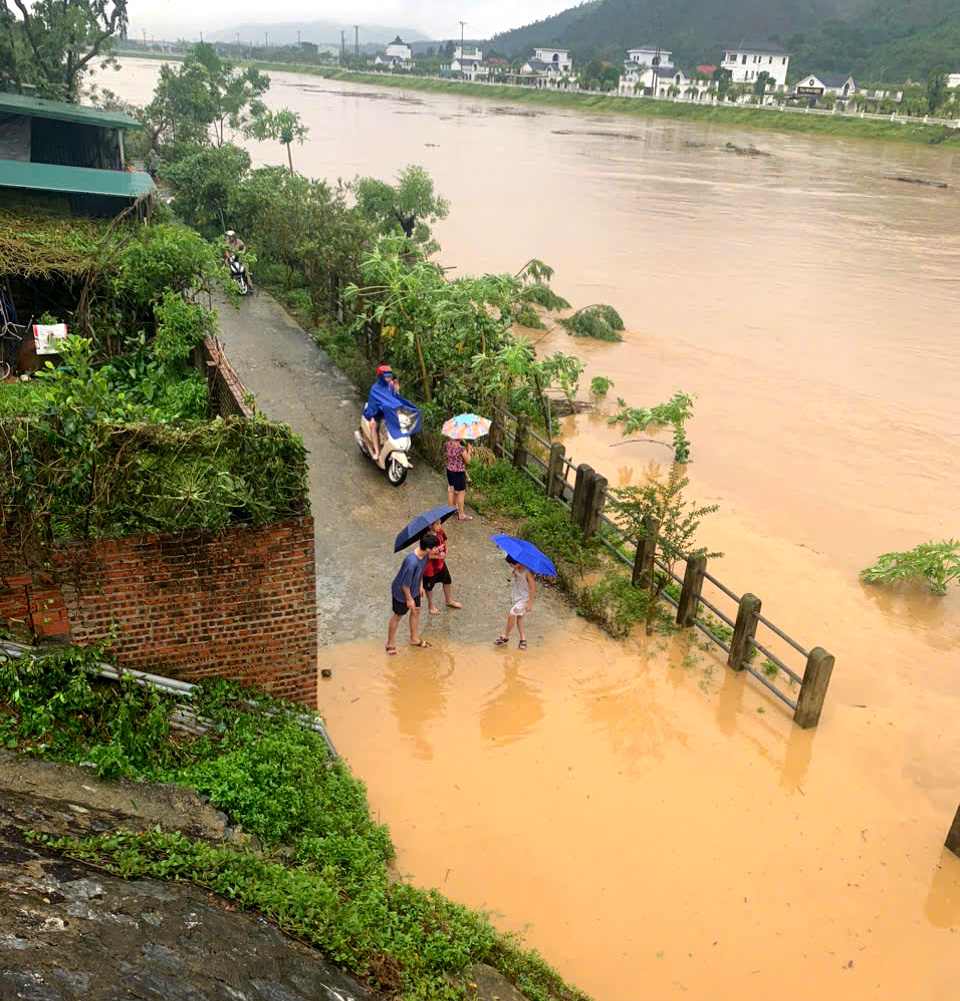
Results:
464 517
434 610
454 604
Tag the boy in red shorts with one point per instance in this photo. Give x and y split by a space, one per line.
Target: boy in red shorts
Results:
436 571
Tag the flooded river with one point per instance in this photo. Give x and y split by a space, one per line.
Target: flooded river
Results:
658 821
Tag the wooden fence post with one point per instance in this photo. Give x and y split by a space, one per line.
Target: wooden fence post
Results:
748 616
689 603
953 835
578 507
555 478
646 551
520 442
496 438
593 505
813 690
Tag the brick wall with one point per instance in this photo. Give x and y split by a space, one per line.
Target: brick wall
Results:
226 389
241 604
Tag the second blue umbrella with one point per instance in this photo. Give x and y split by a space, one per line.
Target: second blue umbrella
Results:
526 553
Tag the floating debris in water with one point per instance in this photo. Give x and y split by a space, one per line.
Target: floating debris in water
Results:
916 180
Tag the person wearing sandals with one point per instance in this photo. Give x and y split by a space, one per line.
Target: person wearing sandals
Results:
437 571
522 595
406 590
458 458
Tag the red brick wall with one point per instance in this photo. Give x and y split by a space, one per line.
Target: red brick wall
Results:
225 388
240 605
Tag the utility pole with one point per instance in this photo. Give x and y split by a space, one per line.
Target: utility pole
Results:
343 47
201 38
144 39
238 39
461 23
298 38
356 40
266 42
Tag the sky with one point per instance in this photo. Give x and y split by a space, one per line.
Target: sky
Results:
436 18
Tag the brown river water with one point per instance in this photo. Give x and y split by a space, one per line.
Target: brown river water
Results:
655 824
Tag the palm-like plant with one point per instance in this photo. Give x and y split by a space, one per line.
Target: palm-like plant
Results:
937 563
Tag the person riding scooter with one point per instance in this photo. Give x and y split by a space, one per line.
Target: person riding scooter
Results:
384 392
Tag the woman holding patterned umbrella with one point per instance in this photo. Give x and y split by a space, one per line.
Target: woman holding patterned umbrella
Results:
462 431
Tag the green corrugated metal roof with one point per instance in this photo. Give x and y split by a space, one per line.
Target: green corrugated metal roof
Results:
74 180
39 107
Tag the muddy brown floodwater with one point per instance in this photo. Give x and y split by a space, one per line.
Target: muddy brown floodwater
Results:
658 821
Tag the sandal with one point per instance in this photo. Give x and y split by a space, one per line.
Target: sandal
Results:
423 644
522 645
500 641
391 651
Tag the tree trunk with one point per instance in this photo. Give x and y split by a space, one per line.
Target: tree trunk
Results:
423 368
290 157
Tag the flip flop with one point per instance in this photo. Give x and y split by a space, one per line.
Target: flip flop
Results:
522 645
500 641
391 651
423 644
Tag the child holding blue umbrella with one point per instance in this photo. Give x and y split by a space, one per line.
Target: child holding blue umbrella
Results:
522 593
525 560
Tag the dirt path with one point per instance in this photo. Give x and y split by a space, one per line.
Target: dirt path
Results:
357 513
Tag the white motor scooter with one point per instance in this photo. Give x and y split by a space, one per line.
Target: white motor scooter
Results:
393 458
238 273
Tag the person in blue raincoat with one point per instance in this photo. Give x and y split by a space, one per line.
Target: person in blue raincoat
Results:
383 395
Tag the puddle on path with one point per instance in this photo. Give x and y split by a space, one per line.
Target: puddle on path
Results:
659 822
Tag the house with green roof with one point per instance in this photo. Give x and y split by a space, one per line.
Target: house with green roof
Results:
51 151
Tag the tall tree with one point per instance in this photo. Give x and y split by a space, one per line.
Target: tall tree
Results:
283 125
937 86
51 43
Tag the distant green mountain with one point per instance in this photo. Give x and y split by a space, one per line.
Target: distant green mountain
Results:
893 38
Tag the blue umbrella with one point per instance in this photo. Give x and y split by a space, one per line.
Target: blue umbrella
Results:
420 524
525 553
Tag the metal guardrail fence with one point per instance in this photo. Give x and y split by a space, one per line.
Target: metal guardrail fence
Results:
735 633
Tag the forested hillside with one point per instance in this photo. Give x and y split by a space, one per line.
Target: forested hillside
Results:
895 39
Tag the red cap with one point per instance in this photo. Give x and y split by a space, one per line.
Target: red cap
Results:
384 369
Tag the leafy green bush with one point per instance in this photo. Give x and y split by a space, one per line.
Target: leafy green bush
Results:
600 385
600 321
18 399
614 602
553 532
543 295
936 563
527 316
507 490
93 478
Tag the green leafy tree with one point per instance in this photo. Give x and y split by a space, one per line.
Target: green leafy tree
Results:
828 102
51 43
634 507
231 92
406 207
937 88
283 126
722 78
936 563
763 81
205 184
675 412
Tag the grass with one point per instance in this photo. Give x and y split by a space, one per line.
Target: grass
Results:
322 872
20 399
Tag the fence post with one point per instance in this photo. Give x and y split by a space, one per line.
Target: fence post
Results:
813 690
578 507
496 438
593 505
953 835
646 550
748 616
554 470
520 443
689 603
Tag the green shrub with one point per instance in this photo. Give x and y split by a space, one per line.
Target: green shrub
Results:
600 385
600 321
936 563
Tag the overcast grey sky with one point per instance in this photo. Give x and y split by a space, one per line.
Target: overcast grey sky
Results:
437 18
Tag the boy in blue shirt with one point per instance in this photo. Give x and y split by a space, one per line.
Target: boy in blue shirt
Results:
406 590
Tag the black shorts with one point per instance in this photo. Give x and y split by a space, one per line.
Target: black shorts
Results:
457 480
443 577
400 607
